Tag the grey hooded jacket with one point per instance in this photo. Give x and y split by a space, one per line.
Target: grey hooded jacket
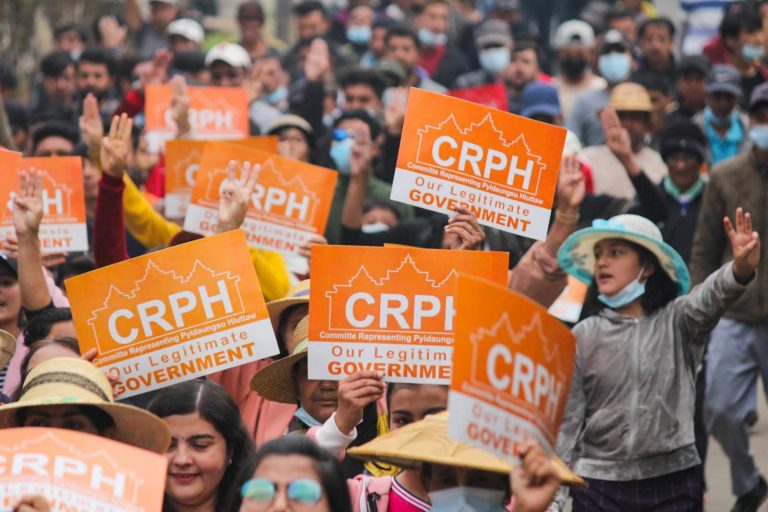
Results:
629 414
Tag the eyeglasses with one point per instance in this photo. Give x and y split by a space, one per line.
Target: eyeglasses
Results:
302 491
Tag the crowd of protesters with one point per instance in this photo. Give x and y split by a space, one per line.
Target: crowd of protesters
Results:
661 206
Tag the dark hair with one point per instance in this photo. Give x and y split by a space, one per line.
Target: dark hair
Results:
64 341
393 386
617 13
250 11
331 479
54 128
54 64
386 204
74 265
369 77
18 116
8 78
363 116
281 343
529 44
750 22
654 82
100 418
218 408
730 26
99 55
308 7
189 61
402 31
660 290
70 27
656 22
40 325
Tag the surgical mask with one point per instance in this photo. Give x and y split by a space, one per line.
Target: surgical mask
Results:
75 54
759 135
573 67
306 418
359 35
431 39
752 52
626 295
341 150
276 96
614 66
377 227
710 117
467 499
495 60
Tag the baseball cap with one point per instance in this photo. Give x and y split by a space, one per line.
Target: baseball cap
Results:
539 98
231 53
685 136
492 32
724 78
188 29
614 38
759 96
630 97
9 265
574 32
693 63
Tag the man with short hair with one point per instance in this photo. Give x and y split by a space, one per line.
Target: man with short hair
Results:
439 57
70 38
494 48
228 64
53 97
403 45
185 34
574 43
95 75
150 36
54 138
691 83
363 89
523 69
656 37
250 19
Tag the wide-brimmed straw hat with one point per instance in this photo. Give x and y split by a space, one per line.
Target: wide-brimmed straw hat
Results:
275 382
74 382
577 254
427 441
299 294
7 347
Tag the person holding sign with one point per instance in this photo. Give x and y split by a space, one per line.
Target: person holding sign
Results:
628 426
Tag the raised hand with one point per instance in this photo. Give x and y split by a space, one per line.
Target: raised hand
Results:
394 110
28 204
32 503
113 35
91 127
361 157
745 244
180 105
305 249
356 391
570 185
236 196
463 231
617 138
317 64
116 146
534 481
254 82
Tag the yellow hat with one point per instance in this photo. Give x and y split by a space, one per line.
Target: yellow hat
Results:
427 441
73 382
7 347
299 294
275 381
630 97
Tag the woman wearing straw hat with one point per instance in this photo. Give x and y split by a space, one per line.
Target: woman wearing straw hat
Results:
71 393
628 425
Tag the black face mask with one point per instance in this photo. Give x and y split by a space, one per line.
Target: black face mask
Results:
573 67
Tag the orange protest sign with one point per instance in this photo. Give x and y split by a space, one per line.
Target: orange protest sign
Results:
500 166
9 161
79 472
567 307
512 369
214 113
389 309
291 200
182 160
63 228
173 315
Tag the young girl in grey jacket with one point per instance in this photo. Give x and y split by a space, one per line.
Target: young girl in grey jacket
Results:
628 425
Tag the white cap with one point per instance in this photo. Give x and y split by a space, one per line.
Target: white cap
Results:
231 53
574 32
187 28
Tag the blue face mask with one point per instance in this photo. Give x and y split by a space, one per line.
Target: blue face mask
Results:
431 39
276 96
614 66
752 52
341 150
626 295
359 35
711 118
495 60
467 499
306 418
759 135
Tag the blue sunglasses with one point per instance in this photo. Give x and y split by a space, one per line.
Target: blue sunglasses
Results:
303 491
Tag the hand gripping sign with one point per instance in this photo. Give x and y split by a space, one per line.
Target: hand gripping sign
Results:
512 369
175 314
500 166
63 228
214 113
79 472
290 202
182 160
389 309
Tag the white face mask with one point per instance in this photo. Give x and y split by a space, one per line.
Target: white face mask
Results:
377 227
466 499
